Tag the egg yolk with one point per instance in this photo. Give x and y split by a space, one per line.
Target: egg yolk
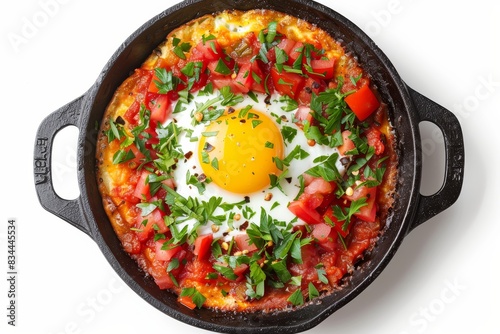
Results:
236 151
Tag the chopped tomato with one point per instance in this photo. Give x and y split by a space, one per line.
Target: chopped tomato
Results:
286 44
307 179
240 269
212 66
177 69
374 137
358 193
169 183
258 84
330 242
164 281
221 81
153 88
295 52
322 69
211 50
159 105
311 86
287 83
243 243
152 137
312 200
126 192
306 269
200 83
271 55
162 193
302 114
317 51
320 186
329 216
197 55
328 200
321 232
202 246
132 113
244 80
305 208
156 219
144 228
348 144
142 187
142 84
137 154
165 254
267 80
367 212
362 102
148 224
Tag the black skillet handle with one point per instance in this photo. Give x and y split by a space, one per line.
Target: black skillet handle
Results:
42 165
428 110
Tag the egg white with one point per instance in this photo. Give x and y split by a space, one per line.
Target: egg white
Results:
276 207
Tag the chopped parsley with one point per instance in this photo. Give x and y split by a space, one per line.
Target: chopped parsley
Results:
167 81
196 296
180 48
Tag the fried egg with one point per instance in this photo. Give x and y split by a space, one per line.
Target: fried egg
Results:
239 155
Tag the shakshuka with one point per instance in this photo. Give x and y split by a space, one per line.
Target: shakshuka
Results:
248 164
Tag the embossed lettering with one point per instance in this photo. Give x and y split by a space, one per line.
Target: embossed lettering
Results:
40 167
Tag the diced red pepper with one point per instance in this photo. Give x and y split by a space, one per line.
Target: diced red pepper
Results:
362 102
202 246
187 301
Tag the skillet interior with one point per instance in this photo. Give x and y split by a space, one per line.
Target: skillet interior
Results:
135 50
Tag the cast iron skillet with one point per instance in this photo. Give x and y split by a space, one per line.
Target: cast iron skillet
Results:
407 109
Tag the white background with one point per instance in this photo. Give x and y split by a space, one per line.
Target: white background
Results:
443 279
